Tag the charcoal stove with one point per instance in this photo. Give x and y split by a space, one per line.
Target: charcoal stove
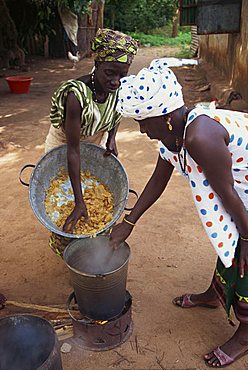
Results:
96 335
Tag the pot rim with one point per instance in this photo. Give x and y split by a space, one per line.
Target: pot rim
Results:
95 275
19 78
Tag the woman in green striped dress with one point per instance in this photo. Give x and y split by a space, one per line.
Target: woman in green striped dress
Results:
85 110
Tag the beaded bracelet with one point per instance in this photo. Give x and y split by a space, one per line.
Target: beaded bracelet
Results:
131 223
244 239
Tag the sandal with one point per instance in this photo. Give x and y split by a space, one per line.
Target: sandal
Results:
223 358
184 301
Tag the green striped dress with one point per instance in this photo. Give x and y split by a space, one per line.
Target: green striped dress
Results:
95 116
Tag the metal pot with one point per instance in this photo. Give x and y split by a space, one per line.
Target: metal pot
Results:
28 343
98 275
108 170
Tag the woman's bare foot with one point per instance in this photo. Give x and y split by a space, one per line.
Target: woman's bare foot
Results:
233 349
207 299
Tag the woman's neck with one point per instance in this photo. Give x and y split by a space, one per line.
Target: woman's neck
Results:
180 119
174 141
99 96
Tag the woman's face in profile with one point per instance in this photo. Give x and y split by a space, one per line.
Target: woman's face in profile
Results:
154 127
110 73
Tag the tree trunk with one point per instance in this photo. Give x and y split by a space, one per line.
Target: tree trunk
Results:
112 19
10 52
56 43
8 33
82 39
175 22
88 25
100 15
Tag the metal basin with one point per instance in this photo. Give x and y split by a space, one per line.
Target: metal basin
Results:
108 170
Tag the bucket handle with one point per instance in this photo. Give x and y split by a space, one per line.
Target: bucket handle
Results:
20 174
70 298
135 193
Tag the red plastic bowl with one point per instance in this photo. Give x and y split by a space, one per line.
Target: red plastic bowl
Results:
19 84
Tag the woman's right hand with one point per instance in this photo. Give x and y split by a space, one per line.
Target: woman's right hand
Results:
79 211
119 234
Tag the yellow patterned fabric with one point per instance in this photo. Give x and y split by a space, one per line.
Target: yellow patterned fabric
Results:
113 46
58 243
241 298
220 277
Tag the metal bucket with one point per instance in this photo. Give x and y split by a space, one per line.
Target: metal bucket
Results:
28 343
99 276
108 170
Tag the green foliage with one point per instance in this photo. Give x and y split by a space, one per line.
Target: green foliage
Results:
167 30
138 15
39 18
185 52
47 11
76 6
45 14
183 39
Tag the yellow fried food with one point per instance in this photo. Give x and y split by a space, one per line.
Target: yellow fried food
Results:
59 203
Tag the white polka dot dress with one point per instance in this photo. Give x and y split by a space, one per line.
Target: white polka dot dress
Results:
218 224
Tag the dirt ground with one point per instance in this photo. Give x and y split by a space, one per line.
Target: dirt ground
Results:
170 251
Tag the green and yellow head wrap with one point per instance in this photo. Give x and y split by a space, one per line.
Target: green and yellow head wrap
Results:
113 46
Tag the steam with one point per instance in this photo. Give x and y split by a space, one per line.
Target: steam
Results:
25 342
96 257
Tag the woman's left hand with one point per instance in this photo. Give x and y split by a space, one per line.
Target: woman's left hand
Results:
243 260
111 147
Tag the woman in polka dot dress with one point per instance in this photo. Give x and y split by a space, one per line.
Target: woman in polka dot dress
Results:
210 148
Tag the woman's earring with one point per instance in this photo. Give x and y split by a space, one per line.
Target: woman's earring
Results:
168 123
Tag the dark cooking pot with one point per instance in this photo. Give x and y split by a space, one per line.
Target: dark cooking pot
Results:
28 343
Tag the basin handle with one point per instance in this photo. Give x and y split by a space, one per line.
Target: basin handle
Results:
20 174
135 193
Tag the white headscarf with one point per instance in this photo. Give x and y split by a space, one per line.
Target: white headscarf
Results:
154 92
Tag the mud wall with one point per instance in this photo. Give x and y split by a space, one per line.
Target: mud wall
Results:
229 53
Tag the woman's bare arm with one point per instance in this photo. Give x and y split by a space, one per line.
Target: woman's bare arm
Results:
72 130
152 191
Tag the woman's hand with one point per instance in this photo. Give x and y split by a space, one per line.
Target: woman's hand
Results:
111 147
119 234
243 260
79 211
